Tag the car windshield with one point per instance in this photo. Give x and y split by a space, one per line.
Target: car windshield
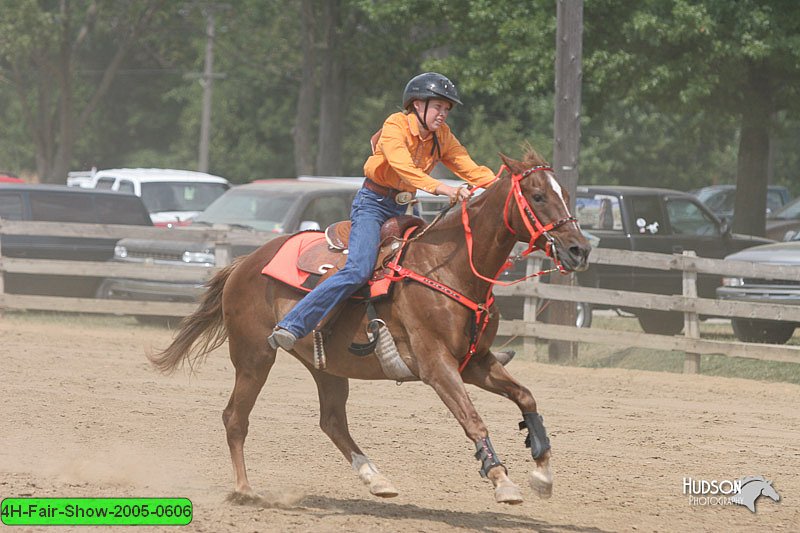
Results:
180 196
598 212
721 201
260 210
790 211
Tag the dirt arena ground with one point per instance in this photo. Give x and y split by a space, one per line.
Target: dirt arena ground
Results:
83 415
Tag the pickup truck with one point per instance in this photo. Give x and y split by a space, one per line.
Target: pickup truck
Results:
66 205
653 220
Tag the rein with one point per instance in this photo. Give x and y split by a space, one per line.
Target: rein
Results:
536 230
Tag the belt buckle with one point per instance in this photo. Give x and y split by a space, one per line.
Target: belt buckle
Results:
403 198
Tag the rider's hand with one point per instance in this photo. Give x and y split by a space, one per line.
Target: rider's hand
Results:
456 194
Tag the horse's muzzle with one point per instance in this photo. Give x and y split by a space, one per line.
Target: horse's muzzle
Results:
575 257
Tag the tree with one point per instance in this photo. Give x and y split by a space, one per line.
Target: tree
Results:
42 46
333 101
713 60
302 134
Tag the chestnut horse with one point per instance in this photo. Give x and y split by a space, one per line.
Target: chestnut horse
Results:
432 331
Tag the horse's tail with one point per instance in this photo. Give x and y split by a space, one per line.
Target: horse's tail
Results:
206 324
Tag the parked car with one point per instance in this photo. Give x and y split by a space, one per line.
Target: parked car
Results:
720 199
766 291
8 178
58 203
81 178
664 221
784 224
172 197
279 207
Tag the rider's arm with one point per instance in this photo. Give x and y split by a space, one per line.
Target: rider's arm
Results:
456 158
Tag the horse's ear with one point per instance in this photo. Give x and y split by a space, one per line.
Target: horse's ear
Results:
515 166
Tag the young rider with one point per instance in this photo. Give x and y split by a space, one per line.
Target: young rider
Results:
409 146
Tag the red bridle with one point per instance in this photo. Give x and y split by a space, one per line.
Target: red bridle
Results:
532 223
534 226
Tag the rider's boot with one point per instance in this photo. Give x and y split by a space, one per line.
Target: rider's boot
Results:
282 338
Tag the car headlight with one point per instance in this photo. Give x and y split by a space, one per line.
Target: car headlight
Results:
120 252
732 282
206 258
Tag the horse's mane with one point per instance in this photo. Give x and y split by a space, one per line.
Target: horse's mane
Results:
532 157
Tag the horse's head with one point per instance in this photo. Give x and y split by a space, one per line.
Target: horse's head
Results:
769 491
537 212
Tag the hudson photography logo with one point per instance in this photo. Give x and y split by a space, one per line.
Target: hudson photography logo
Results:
744 491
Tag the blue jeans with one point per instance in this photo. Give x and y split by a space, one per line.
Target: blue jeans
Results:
368 213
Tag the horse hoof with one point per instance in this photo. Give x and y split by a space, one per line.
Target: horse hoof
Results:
541 481
507 492
249 497
382 487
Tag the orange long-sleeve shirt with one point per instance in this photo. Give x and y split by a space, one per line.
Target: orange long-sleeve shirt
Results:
403 160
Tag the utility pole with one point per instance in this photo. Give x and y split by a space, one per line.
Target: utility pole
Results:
567 132
207 83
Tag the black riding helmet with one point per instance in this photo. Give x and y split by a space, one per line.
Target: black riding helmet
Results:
429 85
425 87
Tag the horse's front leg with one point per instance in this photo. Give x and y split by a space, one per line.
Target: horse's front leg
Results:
489 374
441 373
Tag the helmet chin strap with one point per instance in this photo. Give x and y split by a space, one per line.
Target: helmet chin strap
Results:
435 146
424 124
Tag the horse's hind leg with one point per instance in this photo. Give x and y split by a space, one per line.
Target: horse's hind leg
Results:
333 394
251 374
488 374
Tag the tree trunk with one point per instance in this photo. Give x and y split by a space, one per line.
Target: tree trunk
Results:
302 133
332 102
66 138
753 158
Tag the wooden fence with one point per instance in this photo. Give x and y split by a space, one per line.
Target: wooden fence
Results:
688 302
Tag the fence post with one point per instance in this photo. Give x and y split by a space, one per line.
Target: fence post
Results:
691 324
222 250
530 307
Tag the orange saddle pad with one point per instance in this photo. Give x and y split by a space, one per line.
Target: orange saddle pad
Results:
288 267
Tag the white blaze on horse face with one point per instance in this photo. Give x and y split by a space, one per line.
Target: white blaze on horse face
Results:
556 187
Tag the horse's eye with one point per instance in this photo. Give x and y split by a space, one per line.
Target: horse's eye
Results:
538 198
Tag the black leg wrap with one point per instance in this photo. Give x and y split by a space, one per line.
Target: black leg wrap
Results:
537 439
487 456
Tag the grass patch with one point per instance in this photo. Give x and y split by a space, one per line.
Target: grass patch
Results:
604 356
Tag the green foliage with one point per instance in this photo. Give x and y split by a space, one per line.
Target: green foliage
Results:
664 82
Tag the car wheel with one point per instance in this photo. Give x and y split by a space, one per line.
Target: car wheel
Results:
766 331
583 315
660 322
103 292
